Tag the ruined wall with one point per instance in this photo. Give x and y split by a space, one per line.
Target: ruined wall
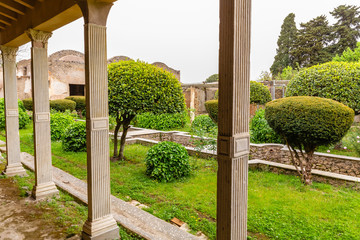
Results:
197 94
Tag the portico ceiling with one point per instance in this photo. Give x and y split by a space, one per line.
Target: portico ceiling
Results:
16 16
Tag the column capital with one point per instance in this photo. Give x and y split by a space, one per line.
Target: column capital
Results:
95 11
9 53
39 38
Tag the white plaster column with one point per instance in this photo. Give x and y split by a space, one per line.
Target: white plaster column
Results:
13 166
44 185
233 139
100 223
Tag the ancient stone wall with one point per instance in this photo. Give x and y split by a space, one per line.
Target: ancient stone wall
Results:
197 94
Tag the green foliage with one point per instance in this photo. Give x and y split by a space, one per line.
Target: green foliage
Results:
339 81
260 131
216 94
28 104
285 44
312 43
287 73
167 161
265 76
203 123
23 116
348 55
74 138
212 108
212 78
347 28
309 121
163 121
259 93
62 105
80 102
58 124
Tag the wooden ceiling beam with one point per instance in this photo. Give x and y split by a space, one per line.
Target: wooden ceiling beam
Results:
27 3
5 20
8 13
13 6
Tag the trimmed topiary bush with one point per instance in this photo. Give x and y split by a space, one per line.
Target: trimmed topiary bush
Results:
339 81
28 104
80 102
260 131
58 124
167 161
74 139
306 123
212 107
62 105
23 116
163 121
259 93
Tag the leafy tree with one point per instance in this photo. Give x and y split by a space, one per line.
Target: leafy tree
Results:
312 43
349 55
136 87
285 43
347 28
212 78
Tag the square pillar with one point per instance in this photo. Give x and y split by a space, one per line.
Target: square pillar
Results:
44 185
13 166
100 223
234 103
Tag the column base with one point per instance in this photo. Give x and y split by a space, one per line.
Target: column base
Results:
43 191
104 228
16 169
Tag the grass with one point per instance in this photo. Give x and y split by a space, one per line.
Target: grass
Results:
279 207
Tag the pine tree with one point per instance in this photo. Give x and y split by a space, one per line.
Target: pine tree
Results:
285 43
347 28
312 43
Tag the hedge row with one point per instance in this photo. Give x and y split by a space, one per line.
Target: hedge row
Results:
69 103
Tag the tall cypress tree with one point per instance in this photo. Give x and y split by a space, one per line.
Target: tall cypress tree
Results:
285 43
312 43
347 28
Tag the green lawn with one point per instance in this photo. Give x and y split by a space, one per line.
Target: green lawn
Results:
279 207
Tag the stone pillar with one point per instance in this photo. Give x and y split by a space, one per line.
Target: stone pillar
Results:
13 166
44 185
100 223
192 104
233 139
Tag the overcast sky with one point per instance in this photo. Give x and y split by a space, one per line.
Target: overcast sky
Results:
184 34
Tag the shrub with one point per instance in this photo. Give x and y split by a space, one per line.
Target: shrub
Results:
167 161
259 93
23 116
163 121
203 123
80 102
306 123
339 81
28 104
58 124
136 87
349 55
212 78
74 139
212 108
62 105
260 131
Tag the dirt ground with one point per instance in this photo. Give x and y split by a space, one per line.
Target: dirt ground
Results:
22 218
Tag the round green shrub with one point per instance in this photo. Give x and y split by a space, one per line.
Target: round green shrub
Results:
203 124
260 131
339 81
58 124
212 108
28 104
167 161
80 102
23 116
74 138
62 105
309 121
165 121
259 93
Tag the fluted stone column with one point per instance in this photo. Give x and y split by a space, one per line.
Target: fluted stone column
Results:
100 223
233 140
44 185
13 166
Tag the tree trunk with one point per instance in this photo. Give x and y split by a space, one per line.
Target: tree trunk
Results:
308 167
126 127
116 133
